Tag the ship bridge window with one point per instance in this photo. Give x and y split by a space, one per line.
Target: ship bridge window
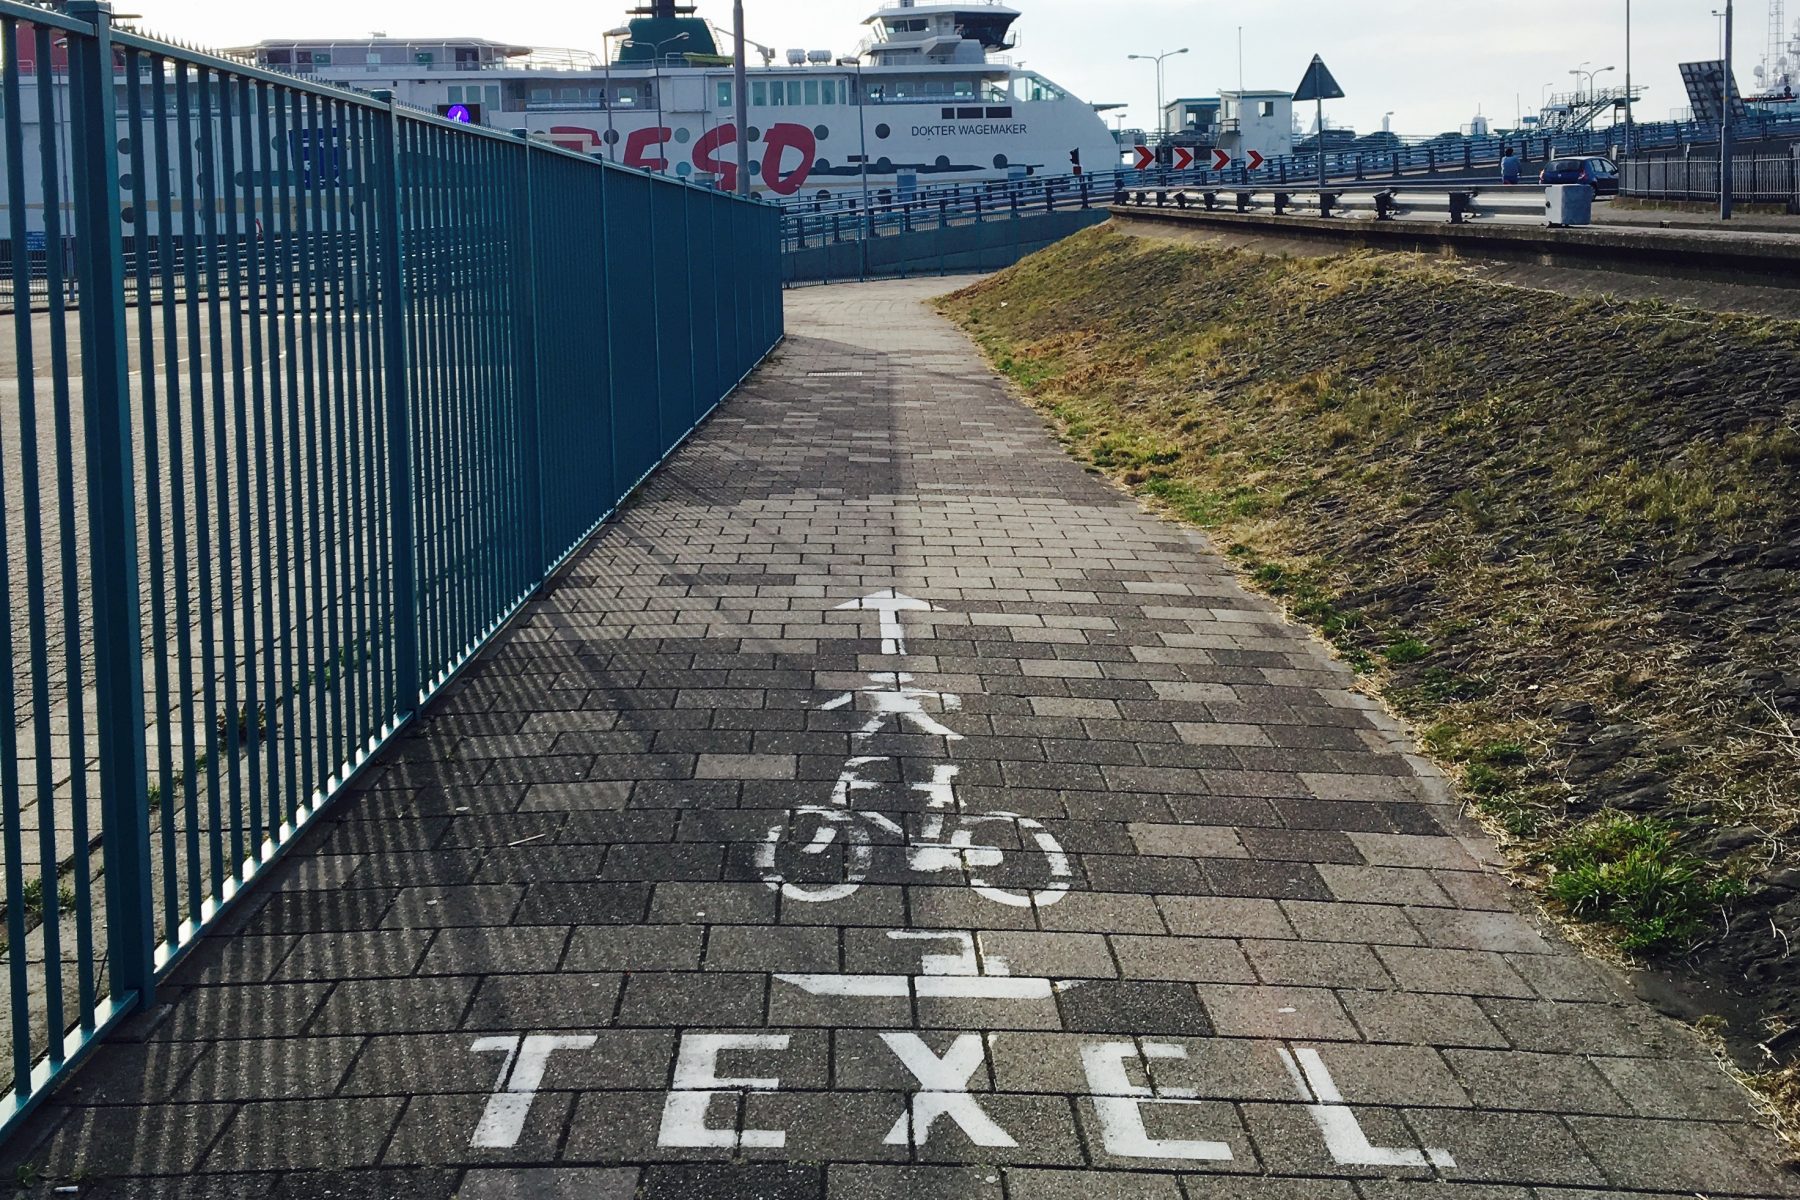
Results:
279 58
1035 89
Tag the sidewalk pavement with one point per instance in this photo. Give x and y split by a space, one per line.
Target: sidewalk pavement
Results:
882 808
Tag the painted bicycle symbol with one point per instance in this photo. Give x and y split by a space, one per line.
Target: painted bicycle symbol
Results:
1006 858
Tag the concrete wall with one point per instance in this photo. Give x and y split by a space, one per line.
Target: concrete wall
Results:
993 244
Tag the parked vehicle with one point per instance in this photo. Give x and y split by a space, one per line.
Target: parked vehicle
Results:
1601 174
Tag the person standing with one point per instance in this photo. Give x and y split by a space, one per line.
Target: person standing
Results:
1509 166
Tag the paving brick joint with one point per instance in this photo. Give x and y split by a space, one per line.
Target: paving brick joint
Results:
884 807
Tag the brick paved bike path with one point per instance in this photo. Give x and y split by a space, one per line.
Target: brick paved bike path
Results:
884 808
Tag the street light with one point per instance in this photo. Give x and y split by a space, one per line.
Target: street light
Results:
862 133
612 137
656 76
1592 77
1629 98
1161 118
1725 163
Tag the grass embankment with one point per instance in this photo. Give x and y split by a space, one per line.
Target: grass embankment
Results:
1558 535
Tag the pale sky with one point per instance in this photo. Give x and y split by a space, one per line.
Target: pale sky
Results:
1433 63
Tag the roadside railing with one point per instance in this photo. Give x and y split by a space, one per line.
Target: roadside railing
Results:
266 484
844 215
1755 179
1457 206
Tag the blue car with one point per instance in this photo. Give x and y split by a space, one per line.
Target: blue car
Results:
1601 174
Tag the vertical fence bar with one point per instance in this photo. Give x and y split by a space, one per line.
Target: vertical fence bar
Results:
17 951
525 350
112 513
392 284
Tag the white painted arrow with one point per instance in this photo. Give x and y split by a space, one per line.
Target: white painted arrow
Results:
890 604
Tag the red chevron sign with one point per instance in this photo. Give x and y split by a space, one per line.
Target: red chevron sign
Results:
1184 158
1256 160
1145 158
1221 160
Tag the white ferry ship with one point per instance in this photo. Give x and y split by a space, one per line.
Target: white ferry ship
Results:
928 98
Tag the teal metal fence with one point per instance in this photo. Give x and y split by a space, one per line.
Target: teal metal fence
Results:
340 385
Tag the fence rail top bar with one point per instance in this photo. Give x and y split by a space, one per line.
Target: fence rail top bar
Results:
45 17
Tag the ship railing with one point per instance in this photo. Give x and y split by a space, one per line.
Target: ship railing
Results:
316 391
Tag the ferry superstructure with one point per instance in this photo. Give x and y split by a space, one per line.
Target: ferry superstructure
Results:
929 97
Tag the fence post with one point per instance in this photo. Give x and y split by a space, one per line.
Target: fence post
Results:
403 530
112 513
530 427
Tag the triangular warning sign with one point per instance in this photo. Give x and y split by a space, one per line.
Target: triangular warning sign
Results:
1318 84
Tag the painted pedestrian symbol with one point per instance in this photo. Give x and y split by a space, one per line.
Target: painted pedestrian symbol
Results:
797 856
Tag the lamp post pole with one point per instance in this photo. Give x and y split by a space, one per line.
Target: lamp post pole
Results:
740 90
612 135
1628 95
1158 59
1725 122
656 83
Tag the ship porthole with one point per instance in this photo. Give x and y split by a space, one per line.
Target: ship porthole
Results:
755 134
1000 162
610 137
684 169
882 131
884 166
821 132
943 161
822 165
682 136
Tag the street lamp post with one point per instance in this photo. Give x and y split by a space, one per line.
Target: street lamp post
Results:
656 84
1725 122
1158 59
862 132
612 136
1593 78
740 73
1629 98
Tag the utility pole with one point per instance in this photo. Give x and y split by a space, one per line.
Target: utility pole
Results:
1725 122
1629 97
740 91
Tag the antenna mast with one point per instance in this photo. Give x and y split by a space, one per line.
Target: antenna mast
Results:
1775 64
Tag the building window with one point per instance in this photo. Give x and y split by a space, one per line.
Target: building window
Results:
493 95
456 95
1268 108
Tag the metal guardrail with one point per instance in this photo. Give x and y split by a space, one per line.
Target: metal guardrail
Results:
1755 179
843 216
1458 206
380 375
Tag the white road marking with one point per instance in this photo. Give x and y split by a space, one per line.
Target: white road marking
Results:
944 1091
697 1083
1119 1104
1348 1145
503 1120
890 604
